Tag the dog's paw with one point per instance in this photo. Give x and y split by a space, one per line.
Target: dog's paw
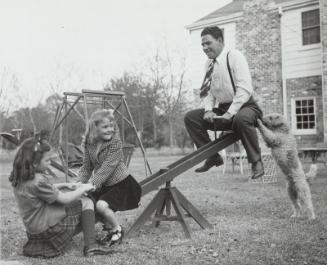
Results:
295 215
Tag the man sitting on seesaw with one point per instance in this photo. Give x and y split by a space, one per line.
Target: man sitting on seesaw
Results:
228 84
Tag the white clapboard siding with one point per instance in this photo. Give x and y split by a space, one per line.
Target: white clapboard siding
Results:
298 60
196 57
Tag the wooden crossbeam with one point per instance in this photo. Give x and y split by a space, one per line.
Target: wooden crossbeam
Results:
102 93
65 115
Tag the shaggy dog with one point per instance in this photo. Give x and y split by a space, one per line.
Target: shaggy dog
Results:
276 133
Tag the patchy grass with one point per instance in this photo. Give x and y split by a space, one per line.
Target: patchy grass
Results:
251 224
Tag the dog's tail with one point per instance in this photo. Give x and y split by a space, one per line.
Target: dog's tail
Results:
312 173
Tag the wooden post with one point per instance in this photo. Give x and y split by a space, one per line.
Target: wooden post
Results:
66 140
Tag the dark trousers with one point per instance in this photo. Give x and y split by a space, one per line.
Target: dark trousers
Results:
243 124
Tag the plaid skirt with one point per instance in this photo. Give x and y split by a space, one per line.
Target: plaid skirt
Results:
53 241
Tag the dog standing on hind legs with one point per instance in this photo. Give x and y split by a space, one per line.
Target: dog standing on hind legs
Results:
276 133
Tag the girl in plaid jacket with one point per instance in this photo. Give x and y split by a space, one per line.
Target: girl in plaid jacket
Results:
104 167
51 217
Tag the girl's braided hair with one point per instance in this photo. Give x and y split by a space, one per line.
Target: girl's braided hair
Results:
28 157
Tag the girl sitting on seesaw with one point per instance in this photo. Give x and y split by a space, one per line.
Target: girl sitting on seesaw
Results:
103 165
51 217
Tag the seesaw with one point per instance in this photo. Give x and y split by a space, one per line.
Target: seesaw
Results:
169 195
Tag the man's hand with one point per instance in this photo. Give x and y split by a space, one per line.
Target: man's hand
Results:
225 118
209 116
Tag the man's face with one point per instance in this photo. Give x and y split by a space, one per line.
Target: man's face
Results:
211 47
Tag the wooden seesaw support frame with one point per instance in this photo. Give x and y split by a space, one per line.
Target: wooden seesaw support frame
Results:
171 195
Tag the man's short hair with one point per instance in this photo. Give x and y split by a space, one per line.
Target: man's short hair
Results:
214 31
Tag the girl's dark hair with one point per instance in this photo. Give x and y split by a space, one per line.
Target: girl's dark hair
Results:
27 158
214 31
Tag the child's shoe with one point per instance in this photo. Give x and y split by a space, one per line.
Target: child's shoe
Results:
117 236
112 237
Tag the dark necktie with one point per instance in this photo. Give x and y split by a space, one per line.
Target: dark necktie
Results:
207 80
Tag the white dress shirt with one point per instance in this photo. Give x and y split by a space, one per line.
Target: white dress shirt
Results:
221 89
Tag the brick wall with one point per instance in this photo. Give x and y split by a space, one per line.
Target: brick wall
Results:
304 87
323 28
258 37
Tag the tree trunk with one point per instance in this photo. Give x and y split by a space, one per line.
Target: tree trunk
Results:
171 131
154 123
32 120
141 122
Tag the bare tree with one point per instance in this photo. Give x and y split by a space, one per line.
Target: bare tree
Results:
174 93
6 79
168 73
156 78
9 87
3 109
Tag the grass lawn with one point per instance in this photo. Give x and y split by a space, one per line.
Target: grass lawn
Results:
251 224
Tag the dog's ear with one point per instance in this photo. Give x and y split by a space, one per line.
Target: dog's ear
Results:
280 123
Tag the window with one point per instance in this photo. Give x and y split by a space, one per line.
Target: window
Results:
310 27
304 115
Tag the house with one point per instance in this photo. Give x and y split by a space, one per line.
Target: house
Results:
285 43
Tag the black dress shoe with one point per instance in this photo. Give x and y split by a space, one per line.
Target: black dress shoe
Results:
96 250
257 170
210 162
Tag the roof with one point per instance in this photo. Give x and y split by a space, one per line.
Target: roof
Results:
231 8
234 7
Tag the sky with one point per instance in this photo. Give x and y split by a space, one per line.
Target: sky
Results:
69 45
